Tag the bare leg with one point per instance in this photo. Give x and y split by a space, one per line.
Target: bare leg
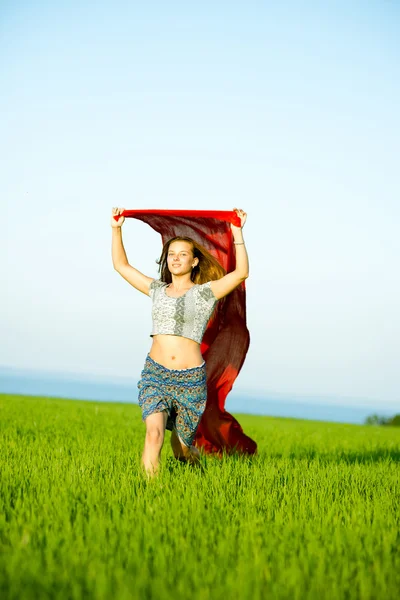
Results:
182 452
155 431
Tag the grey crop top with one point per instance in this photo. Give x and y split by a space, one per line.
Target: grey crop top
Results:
187 315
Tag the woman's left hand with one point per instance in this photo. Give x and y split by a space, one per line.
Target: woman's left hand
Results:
243 216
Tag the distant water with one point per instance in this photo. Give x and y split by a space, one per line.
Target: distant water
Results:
31 383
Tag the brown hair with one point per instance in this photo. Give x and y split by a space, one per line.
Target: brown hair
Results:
207 269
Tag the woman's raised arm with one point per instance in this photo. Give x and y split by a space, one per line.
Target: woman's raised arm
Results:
224 286
120 261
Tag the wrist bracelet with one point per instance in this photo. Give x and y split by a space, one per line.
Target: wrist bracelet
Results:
238 243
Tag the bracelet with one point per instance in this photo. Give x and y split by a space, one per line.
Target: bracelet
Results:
238 243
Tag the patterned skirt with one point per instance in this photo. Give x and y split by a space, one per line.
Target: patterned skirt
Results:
181 392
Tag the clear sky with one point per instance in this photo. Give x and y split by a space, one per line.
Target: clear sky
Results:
287 110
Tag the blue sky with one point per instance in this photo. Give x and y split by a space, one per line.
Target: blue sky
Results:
289 111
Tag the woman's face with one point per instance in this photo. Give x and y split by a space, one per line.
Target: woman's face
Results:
180 259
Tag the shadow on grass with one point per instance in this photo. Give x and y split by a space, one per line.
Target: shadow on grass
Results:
173 464
350 458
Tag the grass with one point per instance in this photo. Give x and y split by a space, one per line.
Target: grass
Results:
314 515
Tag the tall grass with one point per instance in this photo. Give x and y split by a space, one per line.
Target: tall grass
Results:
314 515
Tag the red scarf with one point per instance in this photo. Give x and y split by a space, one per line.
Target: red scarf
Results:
226 339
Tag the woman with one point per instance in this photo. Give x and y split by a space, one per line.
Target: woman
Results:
172 389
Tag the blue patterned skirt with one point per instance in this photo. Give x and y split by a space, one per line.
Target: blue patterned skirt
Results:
181 392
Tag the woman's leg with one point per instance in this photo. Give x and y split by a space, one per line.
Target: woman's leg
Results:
155 431
182 452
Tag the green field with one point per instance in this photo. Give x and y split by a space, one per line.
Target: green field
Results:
314 515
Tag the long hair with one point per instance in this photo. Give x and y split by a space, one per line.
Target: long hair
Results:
207 269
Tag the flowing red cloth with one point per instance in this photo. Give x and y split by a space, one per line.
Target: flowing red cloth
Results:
226 339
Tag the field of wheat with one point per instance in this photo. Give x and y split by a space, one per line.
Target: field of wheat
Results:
314 515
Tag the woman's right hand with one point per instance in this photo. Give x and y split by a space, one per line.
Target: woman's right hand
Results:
117 211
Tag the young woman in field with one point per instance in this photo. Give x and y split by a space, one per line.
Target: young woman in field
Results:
172 388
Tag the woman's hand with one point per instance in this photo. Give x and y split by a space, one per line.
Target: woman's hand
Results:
242 216
114 213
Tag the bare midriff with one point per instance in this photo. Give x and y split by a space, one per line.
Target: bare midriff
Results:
176 352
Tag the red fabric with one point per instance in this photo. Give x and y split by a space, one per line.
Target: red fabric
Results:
226 339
